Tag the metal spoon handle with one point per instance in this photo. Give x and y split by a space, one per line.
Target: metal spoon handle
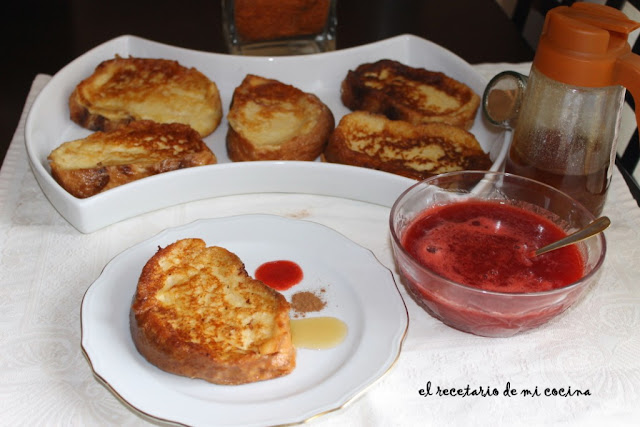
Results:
597 226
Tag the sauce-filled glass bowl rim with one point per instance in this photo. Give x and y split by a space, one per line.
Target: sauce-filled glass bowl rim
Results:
398 242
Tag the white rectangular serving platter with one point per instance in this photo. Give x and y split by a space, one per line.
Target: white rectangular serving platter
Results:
48 125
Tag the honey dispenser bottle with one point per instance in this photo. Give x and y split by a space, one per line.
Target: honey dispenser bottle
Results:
568 115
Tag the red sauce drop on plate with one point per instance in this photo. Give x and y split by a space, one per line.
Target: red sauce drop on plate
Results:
279 275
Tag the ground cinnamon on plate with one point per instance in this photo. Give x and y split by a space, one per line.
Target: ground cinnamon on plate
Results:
306 302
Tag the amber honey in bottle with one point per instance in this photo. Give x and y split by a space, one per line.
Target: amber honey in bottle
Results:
589 187
566 137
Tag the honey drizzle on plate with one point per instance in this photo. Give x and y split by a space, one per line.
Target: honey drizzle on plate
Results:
318 333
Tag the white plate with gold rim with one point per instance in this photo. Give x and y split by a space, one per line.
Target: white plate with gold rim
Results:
357 290
48 125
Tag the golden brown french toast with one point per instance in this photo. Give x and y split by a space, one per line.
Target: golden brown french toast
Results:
104 160
416 95
197 313
415 151
122 90
270 120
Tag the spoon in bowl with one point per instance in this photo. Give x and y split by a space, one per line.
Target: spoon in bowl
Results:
597 226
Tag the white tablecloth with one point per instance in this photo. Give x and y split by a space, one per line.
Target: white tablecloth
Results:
46 266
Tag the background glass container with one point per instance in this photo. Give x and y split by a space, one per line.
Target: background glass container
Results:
279 27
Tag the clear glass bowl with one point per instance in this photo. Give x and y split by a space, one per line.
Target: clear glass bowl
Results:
482 312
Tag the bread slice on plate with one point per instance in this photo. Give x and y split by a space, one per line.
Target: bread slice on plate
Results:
416 95
197 313
122 90
270 120
415 151
104 160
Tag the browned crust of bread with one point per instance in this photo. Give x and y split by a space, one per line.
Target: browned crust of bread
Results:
180 341
414 151
80 114
393 89
269 98
122 90
105 160
240 149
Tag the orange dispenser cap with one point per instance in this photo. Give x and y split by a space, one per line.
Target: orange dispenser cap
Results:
581 44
